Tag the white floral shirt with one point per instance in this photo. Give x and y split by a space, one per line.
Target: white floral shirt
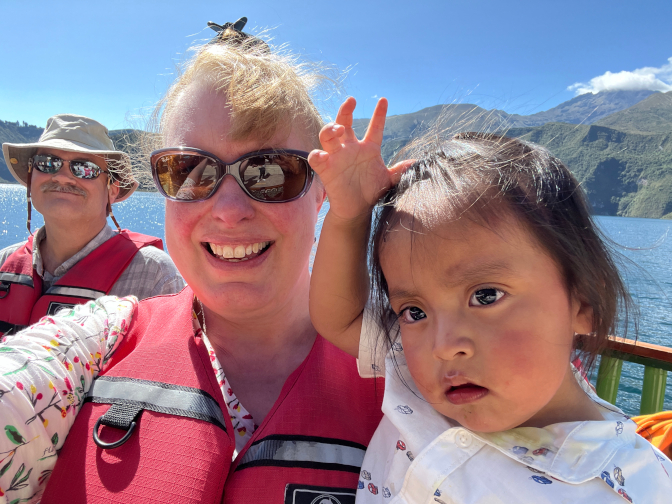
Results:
419 456
46 371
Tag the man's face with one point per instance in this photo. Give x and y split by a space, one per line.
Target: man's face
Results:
63 197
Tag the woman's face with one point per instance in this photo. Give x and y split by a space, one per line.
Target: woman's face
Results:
277 238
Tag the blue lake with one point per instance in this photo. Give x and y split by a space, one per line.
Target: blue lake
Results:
645 245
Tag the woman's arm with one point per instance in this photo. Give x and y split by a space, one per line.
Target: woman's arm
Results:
45 372
355 177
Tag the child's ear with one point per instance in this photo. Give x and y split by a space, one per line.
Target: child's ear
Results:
583 317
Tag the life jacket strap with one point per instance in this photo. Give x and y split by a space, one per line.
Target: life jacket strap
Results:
129 397
312 452
8 278
76 292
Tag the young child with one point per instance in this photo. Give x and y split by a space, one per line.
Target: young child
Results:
486 266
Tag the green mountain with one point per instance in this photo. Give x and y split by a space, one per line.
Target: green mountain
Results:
624 160
400 129
626 168
651 115
623 173
586 108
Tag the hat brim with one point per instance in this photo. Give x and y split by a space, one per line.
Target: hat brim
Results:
21 153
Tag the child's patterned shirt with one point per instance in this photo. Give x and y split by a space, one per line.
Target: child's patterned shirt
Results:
44 376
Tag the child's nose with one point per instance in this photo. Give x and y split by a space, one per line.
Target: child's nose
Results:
453 341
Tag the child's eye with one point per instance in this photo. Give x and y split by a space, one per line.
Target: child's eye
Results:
412 314
485 296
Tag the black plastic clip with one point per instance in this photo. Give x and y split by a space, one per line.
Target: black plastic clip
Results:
238 25
120 416
242 37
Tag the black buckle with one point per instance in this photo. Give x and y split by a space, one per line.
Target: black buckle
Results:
4 289
119 416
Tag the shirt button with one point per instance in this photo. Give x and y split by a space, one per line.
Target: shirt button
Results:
463 439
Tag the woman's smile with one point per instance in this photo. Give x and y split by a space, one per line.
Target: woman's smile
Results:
239 252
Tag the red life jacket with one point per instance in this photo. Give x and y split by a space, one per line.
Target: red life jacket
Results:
22 301
311 443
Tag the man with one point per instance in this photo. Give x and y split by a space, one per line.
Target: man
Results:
74 174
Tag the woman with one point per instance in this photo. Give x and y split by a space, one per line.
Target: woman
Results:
160 400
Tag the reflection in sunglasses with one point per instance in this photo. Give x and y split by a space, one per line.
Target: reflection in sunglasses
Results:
264 176
272 192
50 165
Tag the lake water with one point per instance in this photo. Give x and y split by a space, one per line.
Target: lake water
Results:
650 249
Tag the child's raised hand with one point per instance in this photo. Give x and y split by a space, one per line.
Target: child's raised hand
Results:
353 171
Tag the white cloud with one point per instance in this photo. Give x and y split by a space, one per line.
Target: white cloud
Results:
652 78
374 96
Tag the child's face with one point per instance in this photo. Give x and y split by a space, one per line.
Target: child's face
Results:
486 322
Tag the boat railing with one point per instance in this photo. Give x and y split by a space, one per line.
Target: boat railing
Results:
656 359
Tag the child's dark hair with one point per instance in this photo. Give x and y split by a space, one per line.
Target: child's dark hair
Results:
486 178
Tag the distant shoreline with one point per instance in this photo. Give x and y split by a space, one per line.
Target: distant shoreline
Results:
139 189
2 182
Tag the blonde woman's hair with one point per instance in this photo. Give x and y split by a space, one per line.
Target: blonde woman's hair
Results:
267 89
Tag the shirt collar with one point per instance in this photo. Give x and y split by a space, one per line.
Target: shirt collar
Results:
573 452
105 234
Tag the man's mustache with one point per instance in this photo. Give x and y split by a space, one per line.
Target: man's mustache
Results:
56 187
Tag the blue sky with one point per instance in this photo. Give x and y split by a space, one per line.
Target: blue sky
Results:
112 60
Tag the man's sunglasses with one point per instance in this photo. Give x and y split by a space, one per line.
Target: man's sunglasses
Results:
272 176
49 164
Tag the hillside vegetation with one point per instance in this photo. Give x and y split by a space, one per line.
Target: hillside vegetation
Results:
623 159
623 173
586 108
652 115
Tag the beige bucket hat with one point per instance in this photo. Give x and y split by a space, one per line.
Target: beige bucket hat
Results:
74 133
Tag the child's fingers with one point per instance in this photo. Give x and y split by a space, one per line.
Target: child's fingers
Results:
317 159
374 133
345 112
330 137
398 170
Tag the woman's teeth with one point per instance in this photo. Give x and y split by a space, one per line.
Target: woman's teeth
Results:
237 253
